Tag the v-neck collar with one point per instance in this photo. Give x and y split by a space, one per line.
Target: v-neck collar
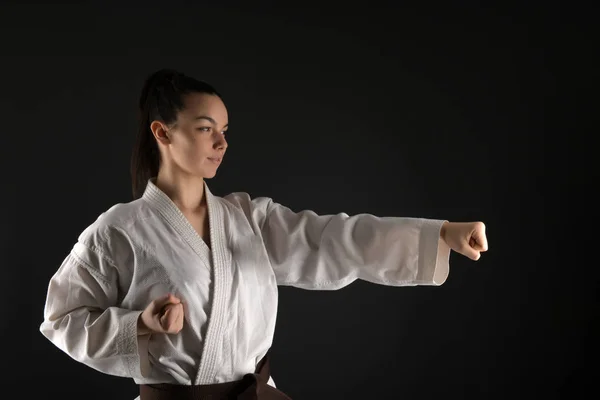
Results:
221 271
175 217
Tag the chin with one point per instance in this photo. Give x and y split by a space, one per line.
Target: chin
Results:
209 175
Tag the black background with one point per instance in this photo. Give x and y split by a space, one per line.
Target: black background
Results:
433 112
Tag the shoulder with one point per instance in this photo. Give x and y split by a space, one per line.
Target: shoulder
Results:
244 201
112 228
243 206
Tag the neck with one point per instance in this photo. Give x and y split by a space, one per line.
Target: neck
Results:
186 191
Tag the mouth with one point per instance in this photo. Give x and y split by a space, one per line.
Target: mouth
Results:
216 160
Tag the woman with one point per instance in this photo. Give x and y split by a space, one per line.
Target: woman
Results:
178 288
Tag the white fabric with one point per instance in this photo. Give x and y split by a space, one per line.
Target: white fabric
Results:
137 251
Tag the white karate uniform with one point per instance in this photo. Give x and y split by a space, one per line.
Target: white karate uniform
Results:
137 251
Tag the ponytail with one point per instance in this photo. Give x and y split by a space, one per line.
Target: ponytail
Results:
161 99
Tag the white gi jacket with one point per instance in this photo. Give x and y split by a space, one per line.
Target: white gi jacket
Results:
137 251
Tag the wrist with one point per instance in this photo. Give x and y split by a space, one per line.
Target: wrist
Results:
443 230
142 329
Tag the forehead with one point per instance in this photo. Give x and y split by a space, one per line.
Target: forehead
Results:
202 104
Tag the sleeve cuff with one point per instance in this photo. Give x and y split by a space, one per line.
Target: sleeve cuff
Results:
434 255
134 347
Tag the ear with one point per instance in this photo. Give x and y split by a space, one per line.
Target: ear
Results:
160 132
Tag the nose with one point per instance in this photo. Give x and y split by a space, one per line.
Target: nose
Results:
220 143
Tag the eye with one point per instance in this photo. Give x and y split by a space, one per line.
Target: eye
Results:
205 129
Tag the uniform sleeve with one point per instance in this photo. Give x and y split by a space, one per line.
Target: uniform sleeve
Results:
83 319
328 252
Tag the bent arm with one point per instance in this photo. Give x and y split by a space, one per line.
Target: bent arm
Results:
83 319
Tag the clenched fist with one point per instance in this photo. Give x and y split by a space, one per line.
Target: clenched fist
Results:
163 315
466 238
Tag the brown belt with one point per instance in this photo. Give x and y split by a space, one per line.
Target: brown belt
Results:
250 387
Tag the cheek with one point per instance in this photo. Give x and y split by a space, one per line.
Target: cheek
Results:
191 150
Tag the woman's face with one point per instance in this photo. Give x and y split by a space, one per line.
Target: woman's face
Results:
197 142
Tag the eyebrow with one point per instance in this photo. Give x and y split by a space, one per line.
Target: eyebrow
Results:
209 119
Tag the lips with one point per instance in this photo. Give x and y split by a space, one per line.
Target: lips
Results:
215 159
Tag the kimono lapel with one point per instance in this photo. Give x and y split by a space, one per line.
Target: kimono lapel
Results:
222 278
175 218
221 273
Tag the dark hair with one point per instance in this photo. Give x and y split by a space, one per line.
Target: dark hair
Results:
161 99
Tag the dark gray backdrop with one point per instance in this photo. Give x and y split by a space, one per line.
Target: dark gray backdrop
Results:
431 112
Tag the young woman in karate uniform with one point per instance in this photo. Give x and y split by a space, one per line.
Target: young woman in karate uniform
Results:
177 289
